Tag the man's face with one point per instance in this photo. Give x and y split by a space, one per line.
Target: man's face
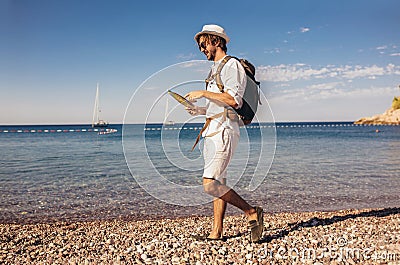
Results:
207 48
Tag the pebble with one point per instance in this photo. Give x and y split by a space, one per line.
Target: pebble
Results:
170 241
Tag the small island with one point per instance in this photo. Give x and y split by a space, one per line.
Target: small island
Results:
389 117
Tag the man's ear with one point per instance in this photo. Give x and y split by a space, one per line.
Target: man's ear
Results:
217 43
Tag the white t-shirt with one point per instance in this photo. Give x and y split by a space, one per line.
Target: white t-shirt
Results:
234 79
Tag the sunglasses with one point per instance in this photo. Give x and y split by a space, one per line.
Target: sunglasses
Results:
203 45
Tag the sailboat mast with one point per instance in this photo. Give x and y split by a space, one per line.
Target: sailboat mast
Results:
98 103
96 107
166 111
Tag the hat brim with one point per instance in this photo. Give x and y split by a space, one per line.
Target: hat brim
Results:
224 36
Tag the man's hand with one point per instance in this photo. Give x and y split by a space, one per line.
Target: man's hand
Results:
193 111
196 111
192 96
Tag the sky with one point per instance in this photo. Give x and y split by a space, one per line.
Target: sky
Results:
316 60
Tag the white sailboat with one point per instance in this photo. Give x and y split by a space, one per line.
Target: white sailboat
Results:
166 121
97 122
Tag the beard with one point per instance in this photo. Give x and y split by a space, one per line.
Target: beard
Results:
210 54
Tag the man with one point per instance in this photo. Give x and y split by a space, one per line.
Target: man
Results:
221 130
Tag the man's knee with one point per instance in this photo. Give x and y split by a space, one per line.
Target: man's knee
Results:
210 186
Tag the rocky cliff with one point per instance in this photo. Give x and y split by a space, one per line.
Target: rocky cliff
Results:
389 117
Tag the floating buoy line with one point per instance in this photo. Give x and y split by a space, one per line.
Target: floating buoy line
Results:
271 126
102 131
99 131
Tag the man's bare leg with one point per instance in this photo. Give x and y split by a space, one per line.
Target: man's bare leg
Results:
228 195
219 214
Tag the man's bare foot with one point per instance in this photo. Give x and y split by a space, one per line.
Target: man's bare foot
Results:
215 235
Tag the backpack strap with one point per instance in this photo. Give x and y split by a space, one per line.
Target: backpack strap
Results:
206 124
217 74
209 78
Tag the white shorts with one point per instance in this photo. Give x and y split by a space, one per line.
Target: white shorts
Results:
218 151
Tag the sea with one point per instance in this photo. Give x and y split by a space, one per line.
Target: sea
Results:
135 172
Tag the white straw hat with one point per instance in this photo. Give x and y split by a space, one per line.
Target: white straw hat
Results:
214 30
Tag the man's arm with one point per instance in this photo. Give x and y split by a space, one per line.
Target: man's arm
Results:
223 97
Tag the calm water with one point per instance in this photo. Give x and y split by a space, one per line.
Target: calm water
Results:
68 175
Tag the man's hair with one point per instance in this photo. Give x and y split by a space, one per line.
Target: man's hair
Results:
214 39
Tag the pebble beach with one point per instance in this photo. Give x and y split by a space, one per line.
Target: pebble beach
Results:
368 236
